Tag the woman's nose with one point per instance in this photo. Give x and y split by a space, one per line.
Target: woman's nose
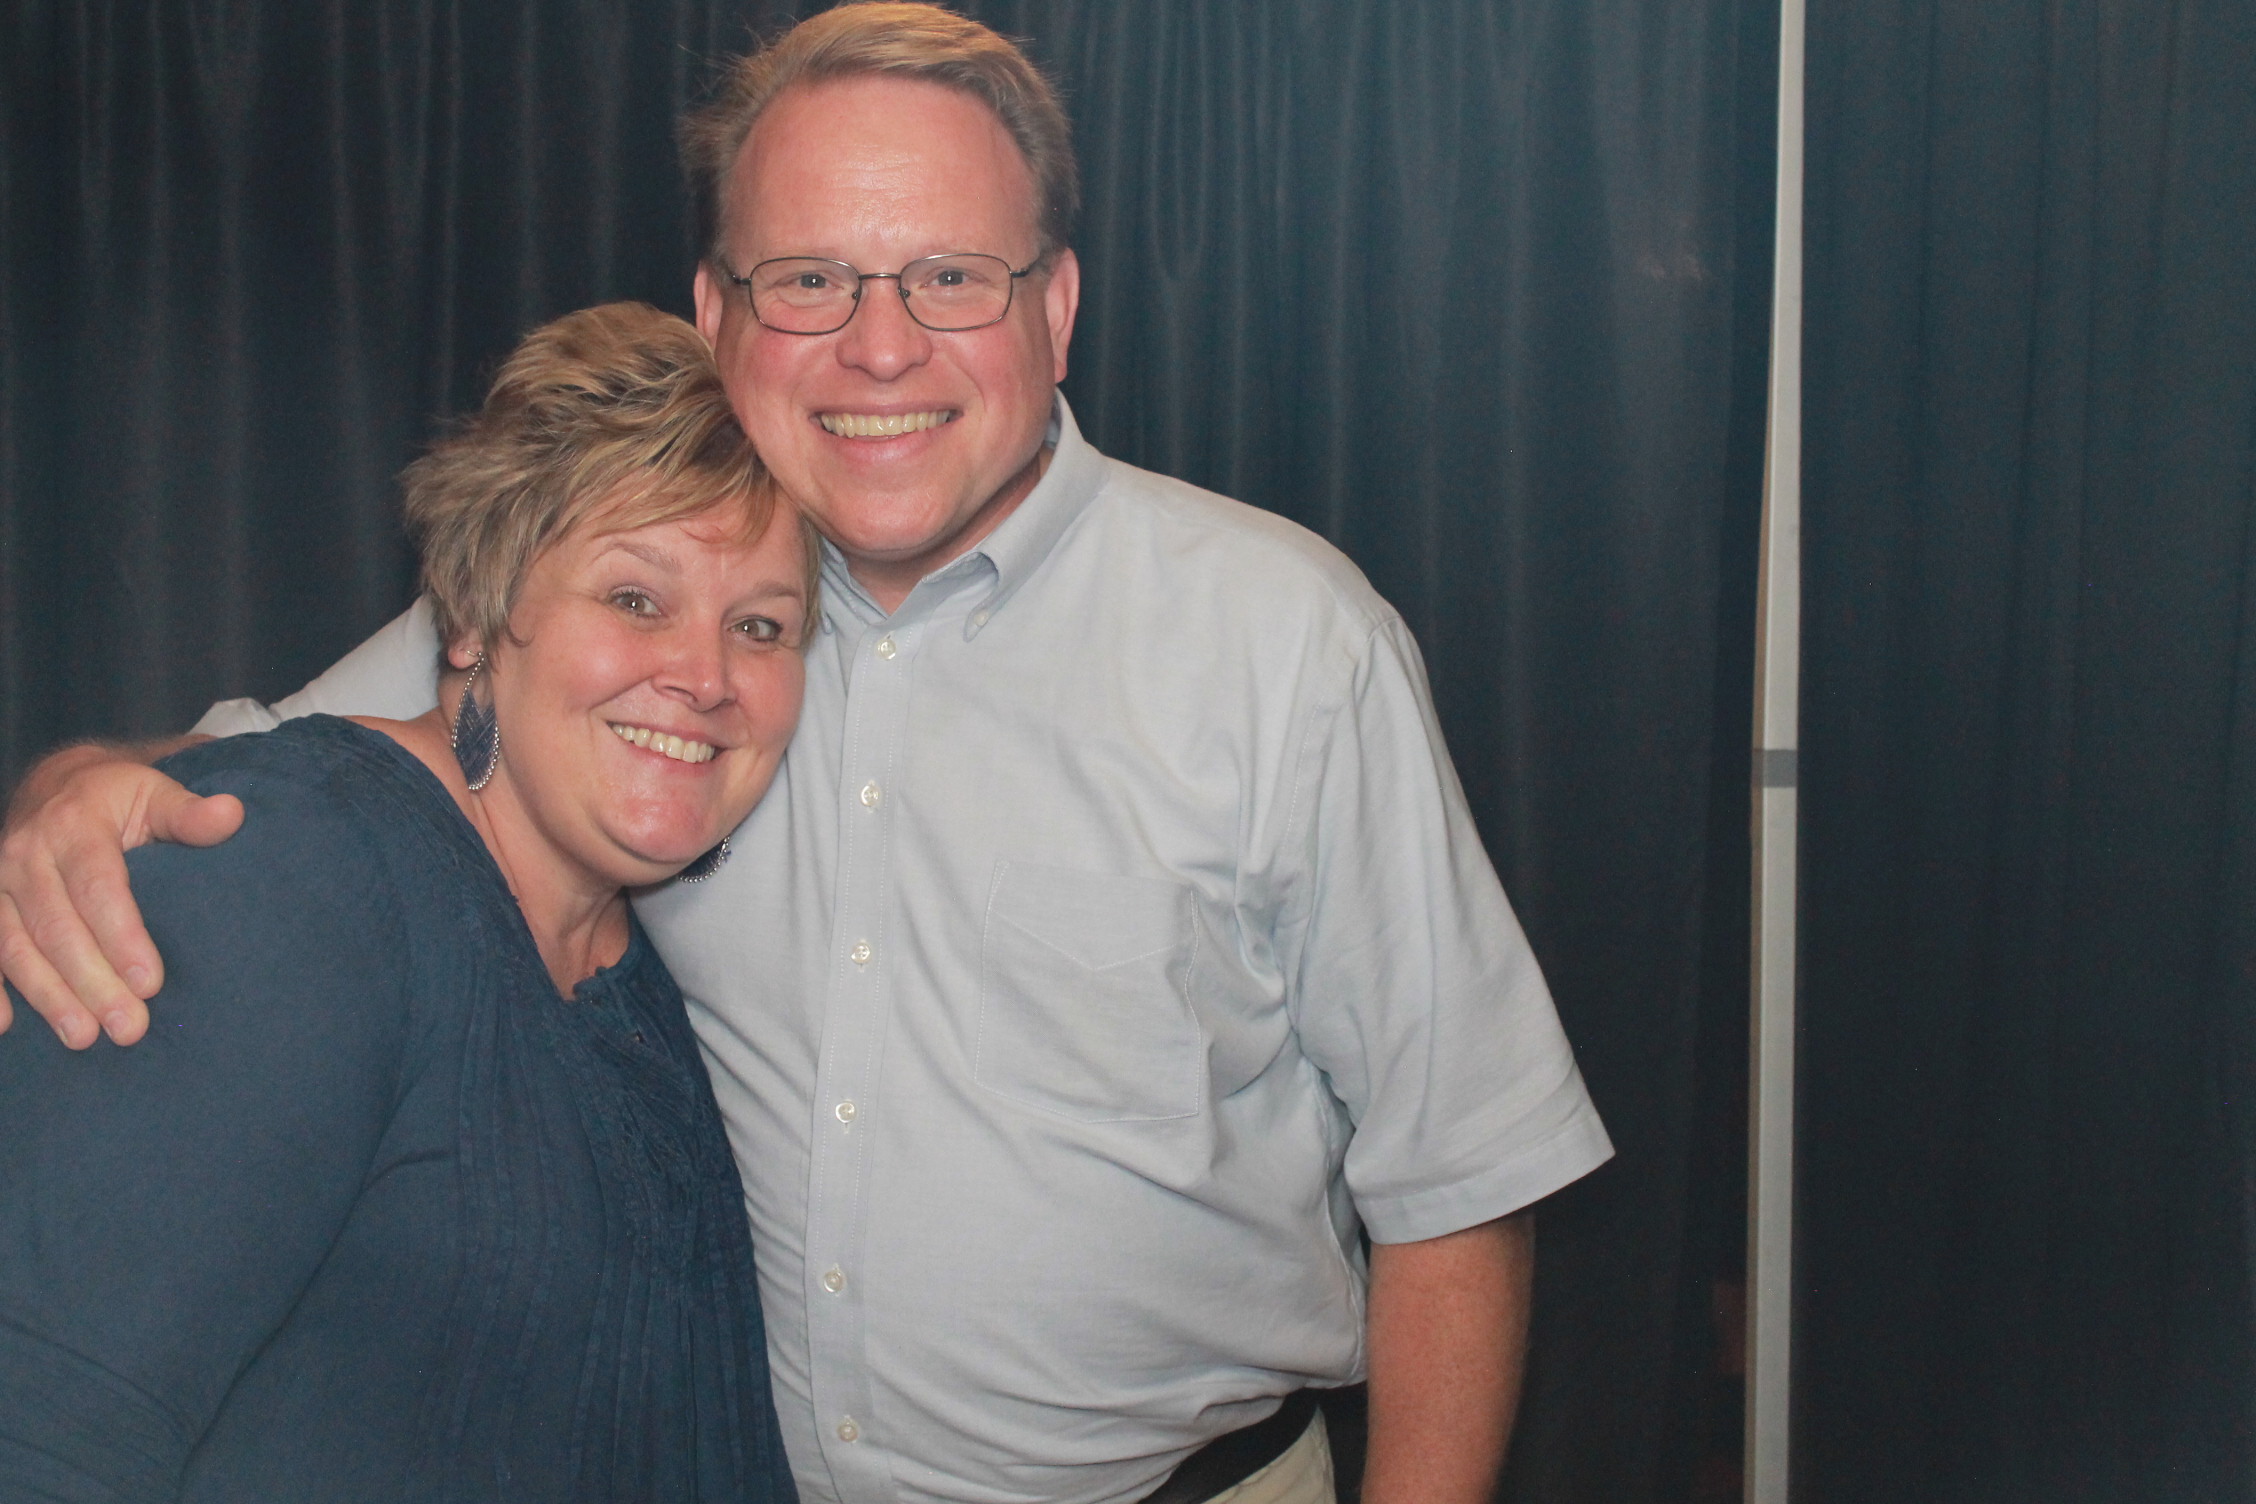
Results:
695 669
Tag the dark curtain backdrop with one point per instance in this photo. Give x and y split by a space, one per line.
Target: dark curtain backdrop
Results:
1477 290
2029 757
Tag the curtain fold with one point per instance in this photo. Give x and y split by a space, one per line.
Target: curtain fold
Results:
2031 469
1475 289
250 251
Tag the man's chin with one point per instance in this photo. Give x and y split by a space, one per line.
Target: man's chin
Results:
893 532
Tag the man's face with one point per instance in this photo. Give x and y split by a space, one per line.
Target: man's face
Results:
876 172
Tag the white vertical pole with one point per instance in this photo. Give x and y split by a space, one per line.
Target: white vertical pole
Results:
1777 738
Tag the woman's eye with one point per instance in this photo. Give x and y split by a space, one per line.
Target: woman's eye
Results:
761 629
634 602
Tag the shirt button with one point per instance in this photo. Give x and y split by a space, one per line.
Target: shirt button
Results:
848 1431
979 618
871 793
861 952
885 648
834 1279
845 1111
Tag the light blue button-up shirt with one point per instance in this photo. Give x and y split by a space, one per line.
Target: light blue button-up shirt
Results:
1114 939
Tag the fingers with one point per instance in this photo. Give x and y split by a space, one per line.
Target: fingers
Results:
80 914
192 819
20 958
122 964
71 937
108 958
88 926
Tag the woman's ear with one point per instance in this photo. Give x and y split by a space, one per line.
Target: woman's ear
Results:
464 651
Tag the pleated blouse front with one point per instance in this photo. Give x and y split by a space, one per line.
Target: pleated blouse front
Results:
372 1213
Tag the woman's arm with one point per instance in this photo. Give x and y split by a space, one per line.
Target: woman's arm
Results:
162 1207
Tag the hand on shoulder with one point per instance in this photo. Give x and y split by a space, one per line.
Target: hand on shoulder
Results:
71 938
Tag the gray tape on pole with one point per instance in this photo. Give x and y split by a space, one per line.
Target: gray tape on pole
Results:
1777 768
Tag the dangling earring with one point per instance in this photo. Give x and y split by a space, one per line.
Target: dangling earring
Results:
477 735
706 865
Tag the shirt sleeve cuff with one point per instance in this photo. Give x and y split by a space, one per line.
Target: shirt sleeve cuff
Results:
1571 1151
234 717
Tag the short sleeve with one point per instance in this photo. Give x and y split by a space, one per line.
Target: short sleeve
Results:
163 1206
394 674
1416 992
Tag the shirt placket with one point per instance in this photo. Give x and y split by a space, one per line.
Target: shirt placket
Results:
862 971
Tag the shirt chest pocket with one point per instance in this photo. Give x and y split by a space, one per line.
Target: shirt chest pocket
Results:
1085 995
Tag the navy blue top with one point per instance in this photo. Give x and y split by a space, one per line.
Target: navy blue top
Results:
372 1213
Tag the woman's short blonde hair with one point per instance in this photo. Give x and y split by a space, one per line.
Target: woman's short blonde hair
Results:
616 409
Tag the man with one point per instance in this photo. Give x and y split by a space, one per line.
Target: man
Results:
1115 939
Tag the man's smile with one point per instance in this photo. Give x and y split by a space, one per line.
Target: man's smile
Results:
882 425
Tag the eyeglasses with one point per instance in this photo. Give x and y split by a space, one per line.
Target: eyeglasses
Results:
947 294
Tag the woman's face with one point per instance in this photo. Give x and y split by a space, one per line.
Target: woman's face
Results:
651 689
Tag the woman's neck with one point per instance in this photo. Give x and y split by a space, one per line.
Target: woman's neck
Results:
578 919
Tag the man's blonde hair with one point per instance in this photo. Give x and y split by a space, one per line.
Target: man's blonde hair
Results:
616 409
896 41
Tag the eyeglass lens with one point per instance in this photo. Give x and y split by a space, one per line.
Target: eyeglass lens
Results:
810 295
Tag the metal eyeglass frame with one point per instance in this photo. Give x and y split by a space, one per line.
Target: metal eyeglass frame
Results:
1010 296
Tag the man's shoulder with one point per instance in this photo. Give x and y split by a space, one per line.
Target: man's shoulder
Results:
1264 561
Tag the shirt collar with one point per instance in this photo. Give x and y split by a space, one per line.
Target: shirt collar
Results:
1010 554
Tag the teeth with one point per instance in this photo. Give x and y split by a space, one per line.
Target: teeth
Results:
660 741
881 425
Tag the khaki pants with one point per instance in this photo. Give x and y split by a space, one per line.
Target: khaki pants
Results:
1302 1474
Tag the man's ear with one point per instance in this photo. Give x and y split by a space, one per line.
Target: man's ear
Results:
1061 301
708 290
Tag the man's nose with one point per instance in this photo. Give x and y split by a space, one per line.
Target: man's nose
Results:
881 338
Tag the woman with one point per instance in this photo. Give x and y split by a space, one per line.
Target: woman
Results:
417 1189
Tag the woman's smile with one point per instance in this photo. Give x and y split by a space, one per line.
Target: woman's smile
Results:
666 744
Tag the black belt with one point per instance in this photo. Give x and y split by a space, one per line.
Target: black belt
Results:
1230 1459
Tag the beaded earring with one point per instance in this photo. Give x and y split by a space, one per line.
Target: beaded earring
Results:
706 865
477 735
